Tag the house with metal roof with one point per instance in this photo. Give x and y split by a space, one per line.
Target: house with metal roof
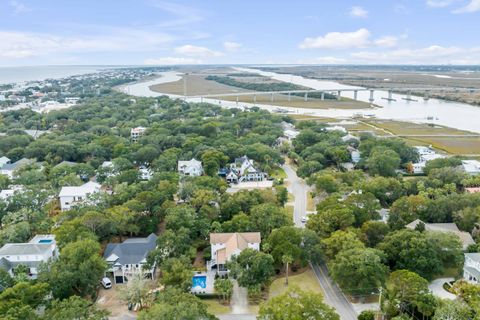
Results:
129 257
226 245
39 249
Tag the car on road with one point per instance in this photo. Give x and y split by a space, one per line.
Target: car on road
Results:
304 219
106 283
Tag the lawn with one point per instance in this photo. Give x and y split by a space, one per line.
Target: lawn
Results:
215 307
278 173
306 281
289 210
310 202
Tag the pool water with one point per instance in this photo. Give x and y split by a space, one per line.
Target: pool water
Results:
199 281
45 241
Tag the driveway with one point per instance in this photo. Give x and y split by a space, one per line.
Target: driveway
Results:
436 286
110 300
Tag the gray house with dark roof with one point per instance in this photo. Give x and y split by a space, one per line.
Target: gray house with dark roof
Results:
129 257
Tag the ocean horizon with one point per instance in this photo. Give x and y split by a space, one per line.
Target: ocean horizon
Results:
37 73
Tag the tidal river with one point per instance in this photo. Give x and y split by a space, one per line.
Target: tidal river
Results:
451 114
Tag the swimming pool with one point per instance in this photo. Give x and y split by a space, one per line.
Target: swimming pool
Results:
45 241
199 282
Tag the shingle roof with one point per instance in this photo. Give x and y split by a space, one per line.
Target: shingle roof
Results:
25 248
233 242
16 165
132 250
474 256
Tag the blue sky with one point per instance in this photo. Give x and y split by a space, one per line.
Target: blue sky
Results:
34 32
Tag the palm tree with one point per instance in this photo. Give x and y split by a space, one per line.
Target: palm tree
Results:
287 259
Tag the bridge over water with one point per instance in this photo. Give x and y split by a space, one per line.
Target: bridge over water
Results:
338 93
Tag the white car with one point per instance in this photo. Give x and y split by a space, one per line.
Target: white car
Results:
106 283
304 219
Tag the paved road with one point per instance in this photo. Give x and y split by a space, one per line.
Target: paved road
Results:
333 295
299 189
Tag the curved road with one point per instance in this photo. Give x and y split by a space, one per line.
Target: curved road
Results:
333 295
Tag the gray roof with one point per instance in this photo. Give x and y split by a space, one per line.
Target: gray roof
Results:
5 264
25 248
132 250
474 272
475 256
16 165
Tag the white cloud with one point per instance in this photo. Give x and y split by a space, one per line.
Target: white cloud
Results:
196 51
386 42
231 46
18 7
338 40
440 3
358 12
24 44
429 55
172 61
473 6
348 40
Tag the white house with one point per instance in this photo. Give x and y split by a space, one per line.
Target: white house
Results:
472 167
471 267
426 154
226 245
8 193
9 169
129 257
243 169
190 168
3 161
145 173
71 196
136 133
31 254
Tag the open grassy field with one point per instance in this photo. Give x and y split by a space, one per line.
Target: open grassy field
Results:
305 281
196 85
301 117
299 102
452 141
